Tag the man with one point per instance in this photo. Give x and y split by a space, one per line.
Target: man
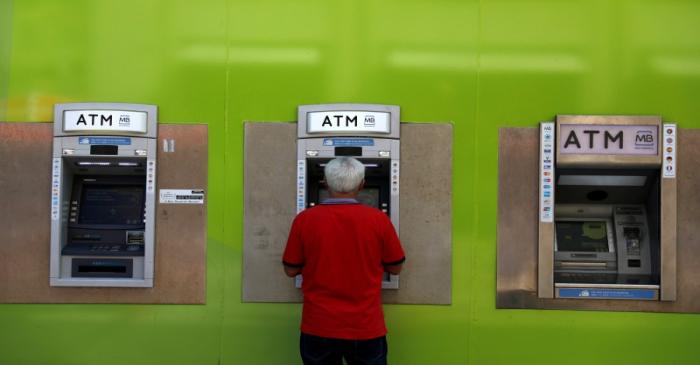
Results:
343 249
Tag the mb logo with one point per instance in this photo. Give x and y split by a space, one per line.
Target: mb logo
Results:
369 121
644 139
124 120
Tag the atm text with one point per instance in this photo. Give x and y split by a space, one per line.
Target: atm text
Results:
94 121
573 139
338 121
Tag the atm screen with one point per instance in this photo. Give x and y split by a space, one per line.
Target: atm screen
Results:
367 196
111 205
582 236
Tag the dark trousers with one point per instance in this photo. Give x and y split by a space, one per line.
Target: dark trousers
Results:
330 351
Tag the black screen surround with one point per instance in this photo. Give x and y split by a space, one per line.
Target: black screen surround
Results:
108 202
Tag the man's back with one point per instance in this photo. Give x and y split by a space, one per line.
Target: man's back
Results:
343 249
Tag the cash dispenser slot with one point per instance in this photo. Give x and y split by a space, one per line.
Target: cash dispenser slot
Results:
348 151
104 150
102 268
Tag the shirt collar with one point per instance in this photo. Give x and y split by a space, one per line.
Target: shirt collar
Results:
331 201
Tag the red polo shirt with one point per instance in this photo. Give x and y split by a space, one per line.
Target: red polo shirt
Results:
342 249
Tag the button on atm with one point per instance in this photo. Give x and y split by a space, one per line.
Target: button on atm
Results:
102 204
607 208
367 132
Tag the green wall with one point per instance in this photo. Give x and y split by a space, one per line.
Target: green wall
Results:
479 64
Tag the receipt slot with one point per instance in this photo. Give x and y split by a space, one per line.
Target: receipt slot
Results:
607 214
102 201
369 133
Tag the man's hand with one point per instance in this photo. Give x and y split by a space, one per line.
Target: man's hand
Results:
393 269
292 271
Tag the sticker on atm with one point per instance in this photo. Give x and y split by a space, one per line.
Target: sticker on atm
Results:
348 142
607 293
181 196
121 141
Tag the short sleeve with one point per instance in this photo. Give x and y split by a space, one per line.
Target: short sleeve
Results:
294 252
392 252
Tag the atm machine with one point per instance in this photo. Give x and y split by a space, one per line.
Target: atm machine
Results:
368 132
607 208
103 195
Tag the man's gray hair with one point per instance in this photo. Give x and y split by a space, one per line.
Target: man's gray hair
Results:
344 174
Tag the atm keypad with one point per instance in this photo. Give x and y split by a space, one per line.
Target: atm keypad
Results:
633 237
108 248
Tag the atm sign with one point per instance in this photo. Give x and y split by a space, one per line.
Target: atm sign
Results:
349 121
105 120
590 139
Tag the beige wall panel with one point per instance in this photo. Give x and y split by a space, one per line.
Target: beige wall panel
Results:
517 217
25 219
181 230
180 267
688 232
425 213
516 282
269 185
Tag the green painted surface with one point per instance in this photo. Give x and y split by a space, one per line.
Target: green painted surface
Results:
5 46
480 64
